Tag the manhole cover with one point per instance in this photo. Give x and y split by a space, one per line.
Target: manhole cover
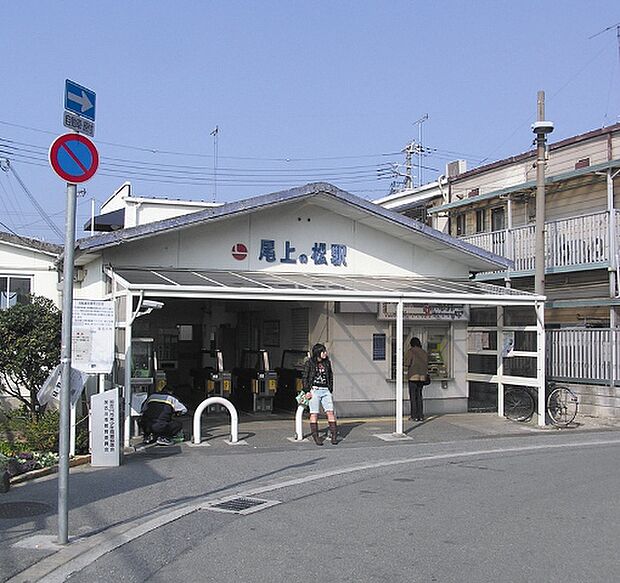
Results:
242 505
23 509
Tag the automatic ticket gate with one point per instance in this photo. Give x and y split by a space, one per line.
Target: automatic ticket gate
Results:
219 382
255 382
264 386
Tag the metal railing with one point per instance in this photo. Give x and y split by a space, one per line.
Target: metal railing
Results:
584 354
568 242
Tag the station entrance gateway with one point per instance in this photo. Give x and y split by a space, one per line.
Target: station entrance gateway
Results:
215 322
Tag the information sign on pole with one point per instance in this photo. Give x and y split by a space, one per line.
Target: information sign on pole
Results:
77 124
92 336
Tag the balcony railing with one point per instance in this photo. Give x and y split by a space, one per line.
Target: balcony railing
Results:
582 240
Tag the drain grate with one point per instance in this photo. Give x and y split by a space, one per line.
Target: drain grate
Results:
241 505
23 509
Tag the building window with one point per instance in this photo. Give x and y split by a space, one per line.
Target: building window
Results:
481 225
460 224
13 290
378 346
583 163
498 222
418 213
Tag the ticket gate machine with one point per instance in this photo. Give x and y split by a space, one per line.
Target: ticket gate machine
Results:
264 386
219 382
255 382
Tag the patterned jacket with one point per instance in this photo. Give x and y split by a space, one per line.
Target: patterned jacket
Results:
310 369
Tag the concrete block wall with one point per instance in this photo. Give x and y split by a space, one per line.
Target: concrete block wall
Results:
600 401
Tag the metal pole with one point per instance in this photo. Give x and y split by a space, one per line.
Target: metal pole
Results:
419 148
541 361
500 361
541 128
127 393
92 217
65 361
399 368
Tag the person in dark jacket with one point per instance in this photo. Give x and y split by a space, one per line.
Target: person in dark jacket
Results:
416 363
318 383
158 423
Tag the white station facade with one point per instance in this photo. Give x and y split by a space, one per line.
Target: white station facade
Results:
286 270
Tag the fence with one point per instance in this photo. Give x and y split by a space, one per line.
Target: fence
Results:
584 354
580 240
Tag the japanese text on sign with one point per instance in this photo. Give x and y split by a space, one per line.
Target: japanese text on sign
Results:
109 436
92 342
387 311
321 253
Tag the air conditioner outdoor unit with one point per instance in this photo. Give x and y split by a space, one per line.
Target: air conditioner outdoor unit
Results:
456 167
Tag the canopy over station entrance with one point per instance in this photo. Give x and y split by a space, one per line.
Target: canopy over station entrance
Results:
312 264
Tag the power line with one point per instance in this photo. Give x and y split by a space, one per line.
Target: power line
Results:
33 200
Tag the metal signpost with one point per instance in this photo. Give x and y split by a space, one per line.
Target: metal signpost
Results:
75 159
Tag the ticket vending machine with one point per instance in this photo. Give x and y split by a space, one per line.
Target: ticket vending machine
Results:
145 378
143 365
219 382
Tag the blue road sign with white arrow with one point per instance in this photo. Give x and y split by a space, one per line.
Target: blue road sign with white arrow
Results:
79 100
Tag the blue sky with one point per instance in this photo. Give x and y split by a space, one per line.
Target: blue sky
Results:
301 90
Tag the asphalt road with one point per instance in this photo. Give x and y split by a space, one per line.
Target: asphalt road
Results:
537 507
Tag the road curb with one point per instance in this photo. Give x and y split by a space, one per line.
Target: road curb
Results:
78 460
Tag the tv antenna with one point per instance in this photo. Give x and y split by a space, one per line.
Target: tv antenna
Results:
215 133
617 27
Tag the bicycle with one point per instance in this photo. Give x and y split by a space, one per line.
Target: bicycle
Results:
561 404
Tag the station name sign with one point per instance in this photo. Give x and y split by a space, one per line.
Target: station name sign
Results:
321 253
444 312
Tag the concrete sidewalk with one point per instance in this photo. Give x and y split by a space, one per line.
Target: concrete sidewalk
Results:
277 429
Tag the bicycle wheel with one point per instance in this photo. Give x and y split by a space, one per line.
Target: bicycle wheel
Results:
518 404
562 406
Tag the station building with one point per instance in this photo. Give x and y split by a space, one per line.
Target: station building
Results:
288 269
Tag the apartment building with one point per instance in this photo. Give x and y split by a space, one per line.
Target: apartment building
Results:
494 207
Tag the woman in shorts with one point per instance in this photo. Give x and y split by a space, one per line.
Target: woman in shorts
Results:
318 383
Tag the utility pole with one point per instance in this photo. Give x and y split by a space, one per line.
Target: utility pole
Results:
420 149
408 150
541 128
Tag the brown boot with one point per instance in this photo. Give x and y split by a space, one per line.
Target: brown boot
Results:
314 428
333 429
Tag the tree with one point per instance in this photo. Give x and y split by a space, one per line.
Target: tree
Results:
30 337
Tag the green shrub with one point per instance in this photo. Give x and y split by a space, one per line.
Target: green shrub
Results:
26 434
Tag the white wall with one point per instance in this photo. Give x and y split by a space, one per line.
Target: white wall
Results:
358 379
28 262
369 251
140 211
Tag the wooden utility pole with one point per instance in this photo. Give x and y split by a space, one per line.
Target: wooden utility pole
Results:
541 128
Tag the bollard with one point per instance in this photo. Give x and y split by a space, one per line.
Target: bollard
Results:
234 418
299 433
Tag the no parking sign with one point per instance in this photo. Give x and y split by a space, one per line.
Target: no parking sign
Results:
74 158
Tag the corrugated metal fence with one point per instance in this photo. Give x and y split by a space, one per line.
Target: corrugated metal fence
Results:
584 354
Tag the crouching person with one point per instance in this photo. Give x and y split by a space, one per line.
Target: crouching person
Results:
158 411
